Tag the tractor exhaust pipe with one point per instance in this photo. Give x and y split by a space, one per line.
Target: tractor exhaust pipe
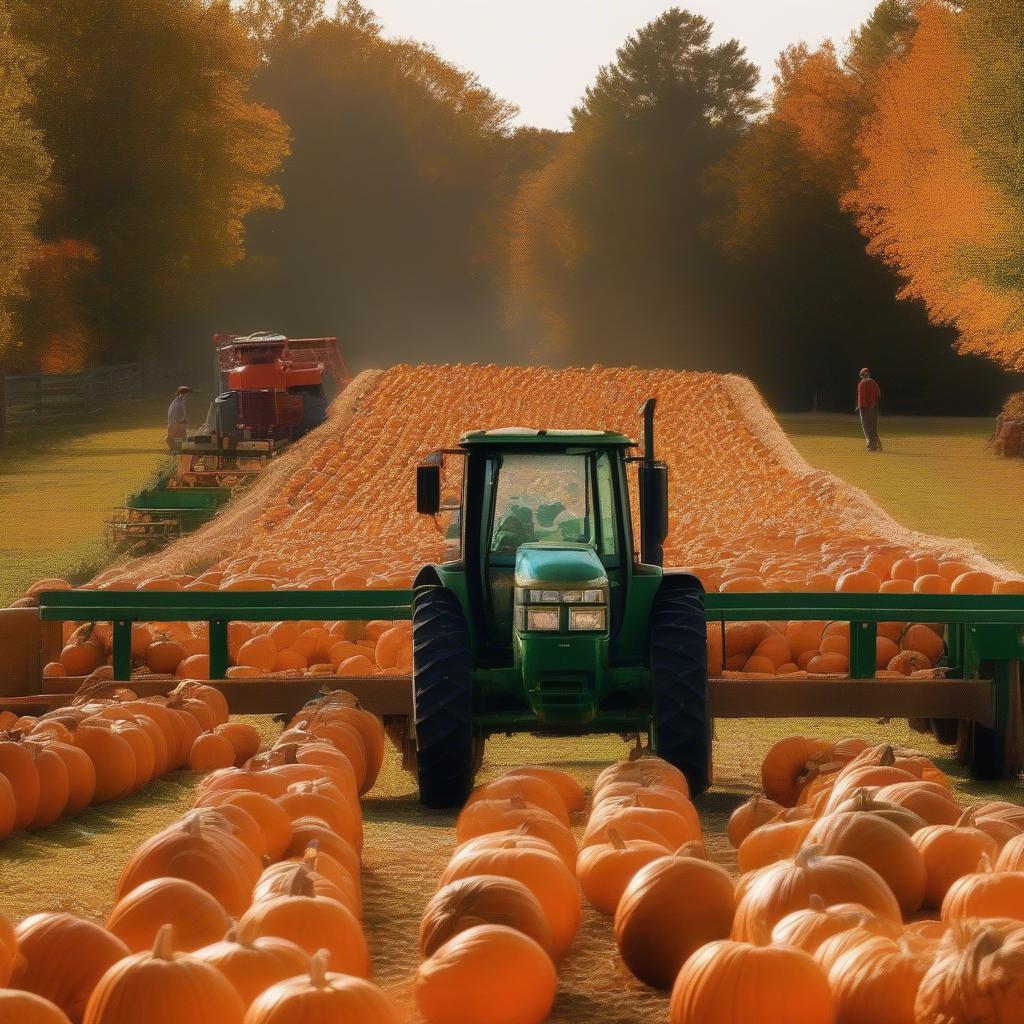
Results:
652 477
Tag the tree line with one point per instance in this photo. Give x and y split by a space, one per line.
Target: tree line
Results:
171 168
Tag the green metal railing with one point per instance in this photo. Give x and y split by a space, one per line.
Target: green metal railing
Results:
980 627
217 609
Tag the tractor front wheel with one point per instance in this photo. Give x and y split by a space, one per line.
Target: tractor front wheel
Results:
442 699
681 728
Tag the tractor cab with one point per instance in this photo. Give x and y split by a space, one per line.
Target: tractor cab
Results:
544 595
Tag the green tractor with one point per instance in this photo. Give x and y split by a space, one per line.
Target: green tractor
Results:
548 621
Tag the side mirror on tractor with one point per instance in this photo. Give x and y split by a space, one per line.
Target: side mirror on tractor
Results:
428 485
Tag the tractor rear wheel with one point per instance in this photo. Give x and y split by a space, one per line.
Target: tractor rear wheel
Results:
681 727
442 699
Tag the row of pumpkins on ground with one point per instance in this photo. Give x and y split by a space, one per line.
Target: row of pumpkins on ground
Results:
847 847
247 909
106 744
255 649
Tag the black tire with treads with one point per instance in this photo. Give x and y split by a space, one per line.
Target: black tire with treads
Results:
442 698
681 730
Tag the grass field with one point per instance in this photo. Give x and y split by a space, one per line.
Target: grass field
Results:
934 475
58 486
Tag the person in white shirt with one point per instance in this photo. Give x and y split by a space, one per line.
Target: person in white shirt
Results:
177 420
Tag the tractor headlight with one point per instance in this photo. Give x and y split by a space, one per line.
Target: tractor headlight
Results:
542 618
544 596
587 618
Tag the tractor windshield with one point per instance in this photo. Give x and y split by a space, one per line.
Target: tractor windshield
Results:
549 498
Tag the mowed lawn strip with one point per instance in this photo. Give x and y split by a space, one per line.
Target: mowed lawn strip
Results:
935 475
58 486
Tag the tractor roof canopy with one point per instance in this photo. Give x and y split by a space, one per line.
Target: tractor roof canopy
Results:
560 438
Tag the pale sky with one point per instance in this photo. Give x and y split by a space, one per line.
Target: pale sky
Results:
542 54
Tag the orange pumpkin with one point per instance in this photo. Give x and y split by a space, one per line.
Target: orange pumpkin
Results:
808 929
270 817
163 987
736 983
482 899
987 892
538 867
253 967
8 950
112 756
671 908
211 751
198 852
198 919
312 923
487 974
531 790
323 997
28 1008
564 784
18 766
606 869
950 852
789 766
63 957
771 893
876 982
772 842
498 815
244 738
978 980
881 845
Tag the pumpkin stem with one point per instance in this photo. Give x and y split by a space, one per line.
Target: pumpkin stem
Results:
311 855
318 969
194 825
816 903
163 946
615 839
887 758
806 854
966 820
985 865
289 753
517 803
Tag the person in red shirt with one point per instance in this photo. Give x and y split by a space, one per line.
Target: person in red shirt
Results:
868 395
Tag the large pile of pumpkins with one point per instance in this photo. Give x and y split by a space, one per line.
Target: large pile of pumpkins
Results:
746 514
248 909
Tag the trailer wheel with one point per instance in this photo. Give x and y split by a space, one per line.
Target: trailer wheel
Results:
986 759
442 699
945 730
681 727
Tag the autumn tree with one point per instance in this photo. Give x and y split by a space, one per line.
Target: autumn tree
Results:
608 253
23 169
159 153
392 224
939 190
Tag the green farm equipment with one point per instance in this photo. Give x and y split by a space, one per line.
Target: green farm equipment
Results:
545 618
155 516
546 623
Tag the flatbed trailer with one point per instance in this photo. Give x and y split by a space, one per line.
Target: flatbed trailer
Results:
984 639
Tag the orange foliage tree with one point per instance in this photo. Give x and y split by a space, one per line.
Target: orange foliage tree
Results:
928 204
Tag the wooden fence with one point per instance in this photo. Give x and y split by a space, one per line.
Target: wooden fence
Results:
34 399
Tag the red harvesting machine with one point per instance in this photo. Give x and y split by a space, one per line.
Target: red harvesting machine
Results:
271 391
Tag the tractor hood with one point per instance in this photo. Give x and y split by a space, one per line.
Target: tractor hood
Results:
558 564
